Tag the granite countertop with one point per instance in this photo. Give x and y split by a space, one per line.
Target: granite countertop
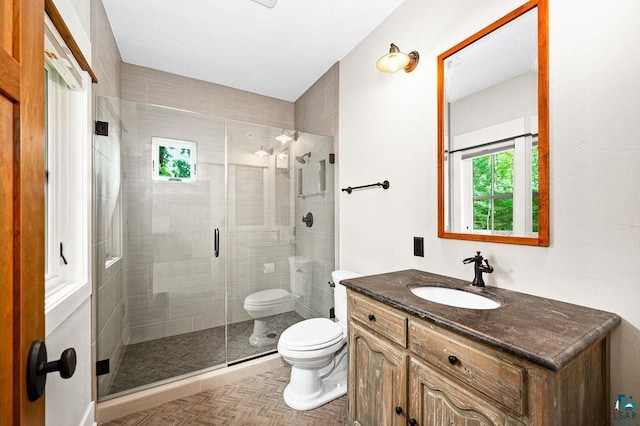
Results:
544 331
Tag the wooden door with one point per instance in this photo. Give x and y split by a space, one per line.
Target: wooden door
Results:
21 203
377 380
438 399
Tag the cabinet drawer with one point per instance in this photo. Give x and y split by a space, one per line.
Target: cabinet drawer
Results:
379 318
485 371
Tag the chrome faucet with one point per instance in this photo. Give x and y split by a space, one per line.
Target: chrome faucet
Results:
479 268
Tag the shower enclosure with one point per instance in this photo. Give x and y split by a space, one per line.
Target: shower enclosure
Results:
210 211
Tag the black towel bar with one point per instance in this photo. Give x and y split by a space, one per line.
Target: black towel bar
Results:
385 185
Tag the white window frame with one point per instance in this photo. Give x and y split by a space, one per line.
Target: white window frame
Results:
522 211
69 181
157 142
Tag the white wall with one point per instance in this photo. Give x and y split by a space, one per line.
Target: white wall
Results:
68 323
388 130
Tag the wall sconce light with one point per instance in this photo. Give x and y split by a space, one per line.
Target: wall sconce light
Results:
287 136
263 152
395 60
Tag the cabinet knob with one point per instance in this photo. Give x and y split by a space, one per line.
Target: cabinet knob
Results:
453 359
372 317
398 410
413 422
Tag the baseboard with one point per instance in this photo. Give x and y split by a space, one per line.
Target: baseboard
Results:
89 416
148 398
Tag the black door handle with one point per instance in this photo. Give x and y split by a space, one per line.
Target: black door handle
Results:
216 242
38 367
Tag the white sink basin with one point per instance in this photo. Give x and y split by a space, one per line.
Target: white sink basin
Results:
454 297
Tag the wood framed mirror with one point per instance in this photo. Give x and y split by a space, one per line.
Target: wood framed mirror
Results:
493 143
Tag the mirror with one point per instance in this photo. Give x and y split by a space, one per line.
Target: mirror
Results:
493 177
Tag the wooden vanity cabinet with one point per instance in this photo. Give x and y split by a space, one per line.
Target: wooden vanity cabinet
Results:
377 380
378 368
406 370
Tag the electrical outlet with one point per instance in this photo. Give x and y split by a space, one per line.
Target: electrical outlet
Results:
418 246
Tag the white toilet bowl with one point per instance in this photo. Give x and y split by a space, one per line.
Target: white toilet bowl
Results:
265 303
317 352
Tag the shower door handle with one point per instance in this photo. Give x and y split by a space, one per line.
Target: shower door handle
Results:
216 242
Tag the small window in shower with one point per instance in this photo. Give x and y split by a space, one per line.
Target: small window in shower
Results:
173 160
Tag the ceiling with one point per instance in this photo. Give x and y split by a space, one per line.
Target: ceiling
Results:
278 52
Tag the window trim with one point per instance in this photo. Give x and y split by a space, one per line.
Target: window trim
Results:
522 217
69 202
157 142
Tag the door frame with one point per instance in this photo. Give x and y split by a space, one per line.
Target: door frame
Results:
21 202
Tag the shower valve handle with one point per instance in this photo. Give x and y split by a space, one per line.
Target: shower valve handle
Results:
308 219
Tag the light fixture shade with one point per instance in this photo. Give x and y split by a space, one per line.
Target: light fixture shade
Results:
284 138
263 152
396 60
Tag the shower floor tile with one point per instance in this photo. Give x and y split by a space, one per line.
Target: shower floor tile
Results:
160 359
254 401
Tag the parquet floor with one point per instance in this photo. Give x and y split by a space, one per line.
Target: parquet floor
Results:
254 401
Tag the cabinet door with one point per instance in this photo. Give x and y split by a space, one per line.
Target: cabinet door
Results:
377 380
439 399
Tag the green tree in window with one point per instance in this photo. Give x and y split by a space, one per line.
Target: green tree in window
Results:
503 172
482 176
482 187
488 184
503 185
181 169
174 162
163 161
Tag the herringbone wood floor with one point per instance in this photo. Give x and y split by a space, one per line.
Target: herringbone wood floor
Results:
255 401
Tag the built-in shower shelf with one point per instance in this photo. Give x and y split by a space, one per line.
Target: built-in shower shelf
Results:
312 194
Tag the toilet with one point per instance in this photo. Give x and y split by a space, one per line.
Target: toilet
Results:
317 352
265 303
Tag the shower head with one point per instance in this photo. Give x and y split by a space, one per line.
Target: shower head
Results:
301 159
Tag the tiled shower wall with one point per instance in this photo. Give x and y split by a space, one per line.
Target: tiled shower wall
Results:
316 111
170 282
108 308
145 85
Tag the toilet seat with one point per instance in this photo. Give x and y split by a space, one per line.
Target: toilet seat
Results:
311 334
269 297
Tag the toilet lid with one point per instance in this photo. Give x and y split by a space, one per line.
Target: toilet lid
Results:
267 297
311 334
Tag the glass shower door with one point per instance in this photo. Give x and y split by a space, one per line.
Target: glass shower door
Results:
260 304
278 266
165 318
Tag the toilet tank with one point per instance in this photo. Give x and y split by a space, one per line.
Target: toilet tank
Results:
340 293
300 274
